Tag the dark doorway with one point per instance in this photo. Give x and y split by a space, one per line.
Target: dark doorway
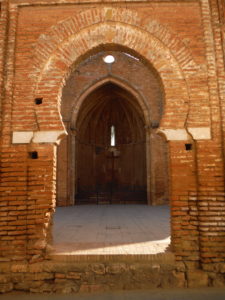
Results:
110 148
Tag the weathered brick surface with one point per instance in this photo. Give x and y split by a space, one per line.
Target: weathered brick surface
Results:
3 39
83 276
86 277
39 47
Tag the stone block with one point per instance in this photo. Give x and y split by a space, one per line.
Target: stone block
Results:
22 286
67 287
221 267
191 265
116 268
175 134
39 276
48 266
144 276
42 288
48 136
40 244
98 269
5 267
74 275
180 266
19 268
218 281
197 279
46 288
5 278
200 133
22 137
6 287
4 259
60 276
91 288
17 277
173 280
36 258
36 267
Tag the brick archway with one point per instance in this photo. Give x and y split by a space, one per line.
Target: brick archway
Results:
173 63
58 34
66 44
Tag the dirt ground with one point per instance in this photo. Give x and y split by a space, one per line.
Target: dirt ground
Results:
159 294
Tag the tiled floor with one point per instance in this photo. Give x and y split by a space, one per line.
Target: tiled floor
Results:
111 229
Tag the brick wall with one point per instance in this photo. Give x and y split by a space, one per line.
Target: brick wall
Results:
183 43
3 30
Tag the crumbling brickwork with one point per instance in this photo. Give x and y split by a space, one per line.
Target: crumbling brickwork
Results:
41 44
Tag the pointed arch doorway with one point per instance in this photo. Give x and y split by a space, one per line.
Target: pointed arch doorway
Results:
112 153
110 148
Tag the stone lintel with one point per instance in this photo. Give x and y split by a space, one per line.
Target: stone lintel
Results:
200 133
22 137
175 134
48 136
26 137
183 134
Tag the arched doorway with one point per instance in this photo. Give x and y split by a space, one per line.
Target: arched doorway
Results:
110 148
63 45
125 99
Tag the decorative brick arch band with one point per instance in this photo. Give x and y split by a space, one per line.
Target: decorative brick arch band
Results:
60 62
67 42
58 34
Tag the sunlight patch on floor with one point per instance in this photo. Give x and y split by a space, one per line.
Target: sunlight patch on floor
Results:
109 230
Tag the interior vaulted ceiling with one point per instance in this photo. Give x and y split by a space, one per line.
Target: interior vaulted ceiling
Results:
106 106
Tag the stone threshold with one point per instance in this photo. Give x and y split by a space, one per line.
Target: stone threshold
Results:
167 258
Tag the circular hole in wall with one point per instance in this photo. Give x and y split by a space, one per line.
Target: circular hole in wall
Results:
109 59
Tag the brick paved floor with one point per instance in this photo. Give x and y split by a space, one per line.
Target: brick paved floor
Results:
111 229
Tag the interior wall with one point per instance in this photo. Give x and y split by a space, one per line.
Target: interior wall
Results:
160 169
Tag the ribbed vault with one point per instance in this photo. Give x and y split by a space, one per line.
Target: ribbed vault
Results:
105 107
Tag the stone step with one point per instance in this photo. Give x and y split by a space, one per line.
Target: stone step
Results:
161 258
